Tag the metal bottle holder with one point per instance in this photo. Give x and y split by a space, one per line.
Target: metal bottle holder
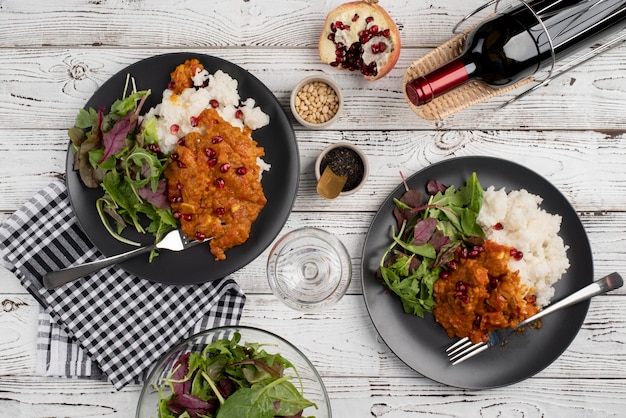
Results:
552 71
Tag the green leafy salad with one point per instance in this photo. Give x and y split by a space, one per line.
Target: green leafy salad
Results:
120 154
429 235
232 380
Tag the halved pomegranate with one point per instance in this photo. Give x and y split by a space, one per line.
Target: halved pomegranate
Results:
360 36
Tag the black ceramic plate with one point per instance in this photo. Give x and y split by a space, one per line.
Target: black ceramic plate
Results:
421 342
280 184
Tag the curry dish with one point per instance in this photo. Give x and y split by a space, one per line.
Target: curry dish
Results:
481 294
213 183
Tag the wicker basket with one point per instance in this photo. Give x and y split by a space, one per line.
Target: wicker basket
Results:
461 97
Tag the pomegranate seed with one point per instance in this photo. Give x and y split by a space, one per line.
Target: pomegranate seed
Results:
443 275
171 85
498 226
212 162
335 64
477 321
239 114
464 299
382 46
532 299
369 19
174 156
179 199
200 236
217 139
214 103
154 148
375 48
460 287
210 152
220 211
193 121
452 265
181 141
180 164
179 185
374 29
331 37
220 183
472 254
386 32
346 27
479 248
493 282
339 24
224 167
464 252
518 255
187 217
241 171
174 129
355 17
176 214
172 199
333 28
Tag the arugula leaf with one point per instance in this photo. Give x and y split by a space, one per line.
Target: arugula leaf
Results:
86 119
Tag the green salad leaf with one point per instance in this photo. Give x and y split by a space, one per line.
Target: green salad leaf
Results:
117 153
428 236
229 379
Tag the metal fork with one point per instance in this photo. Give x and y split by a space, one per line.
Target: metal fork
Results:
465 349
175 240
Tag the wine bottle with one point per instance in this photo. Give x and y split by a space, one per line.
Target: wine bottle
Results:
514 44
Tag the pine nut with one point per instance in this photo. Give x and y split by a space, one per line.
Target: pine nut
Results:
317 102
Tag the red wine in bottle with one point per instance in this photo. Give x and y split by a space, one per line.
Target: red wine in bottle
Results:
514 44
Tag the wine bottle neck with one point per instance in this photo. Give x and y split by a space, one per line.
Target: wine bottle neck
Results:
423 89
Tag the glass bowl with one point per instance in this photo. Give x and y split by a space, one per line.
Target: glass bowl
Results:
313 388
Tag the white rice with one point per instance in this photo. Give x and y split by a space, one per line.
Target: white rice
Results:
178 109
529 229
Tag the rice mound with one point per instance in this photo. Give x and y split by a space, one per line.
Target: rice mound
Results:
529 229
177 109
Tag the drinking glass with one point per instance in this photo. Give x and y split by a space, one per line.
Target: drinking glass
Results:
309 269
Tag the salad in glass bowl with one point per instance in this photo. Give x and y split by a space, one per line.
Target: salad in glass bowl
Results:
231 372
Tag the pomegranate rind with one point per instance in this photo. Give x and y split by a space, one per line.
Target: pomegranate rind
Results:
386 60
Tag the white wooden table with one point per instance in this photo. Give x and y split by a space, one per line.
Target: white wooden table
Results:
55 54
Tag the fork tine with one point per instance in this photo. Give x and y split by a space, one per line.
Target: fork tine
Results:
458 346
469 352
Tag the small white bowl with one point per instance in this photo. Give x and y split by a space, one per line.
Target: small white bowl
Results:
351 147
294 98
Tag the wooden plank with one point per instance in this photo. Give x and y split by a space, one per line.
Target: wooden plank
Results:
596 353
54 83
273 23
384 397
585 166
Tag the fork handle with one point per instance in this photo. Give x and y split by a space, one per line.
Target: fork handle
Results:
607 283
58 278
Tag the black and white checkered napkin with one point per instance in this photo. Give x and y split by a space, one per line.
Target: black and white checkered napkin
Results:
109 322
